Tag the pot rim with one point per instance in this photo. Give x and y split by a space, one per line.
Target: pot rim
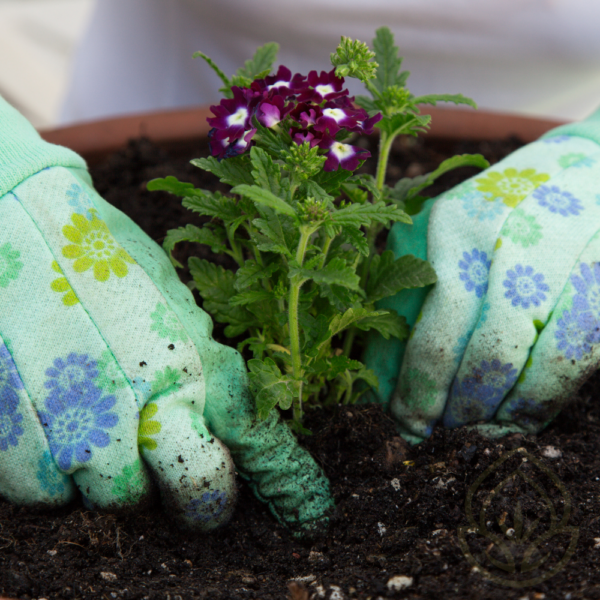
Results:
96 139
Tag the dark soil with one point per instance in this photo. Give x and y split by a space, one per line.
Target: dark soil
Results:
399 510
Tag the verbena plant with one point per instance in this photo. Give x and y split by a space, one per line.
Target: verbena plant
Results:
301 223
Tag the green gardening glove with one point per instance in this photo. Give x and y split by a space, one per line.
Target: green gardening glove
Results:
109 377
509 331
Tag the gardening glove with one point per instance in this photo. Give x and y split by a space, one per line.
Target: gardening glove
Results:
109 376
508 332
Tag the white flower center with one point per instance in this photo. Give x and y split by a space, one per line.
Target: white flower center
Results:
238 117
337 114
325 89
278 84
342 151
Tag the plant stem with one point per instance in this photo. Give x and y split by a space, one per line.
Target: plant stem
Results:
294 297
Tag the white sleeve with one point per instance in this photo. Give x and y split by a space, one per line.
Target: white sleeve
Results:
514 55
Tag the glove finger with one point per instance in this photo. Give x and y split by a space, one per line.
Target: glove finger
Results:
526 280
384 357
193 469
461 256
565 354
28 474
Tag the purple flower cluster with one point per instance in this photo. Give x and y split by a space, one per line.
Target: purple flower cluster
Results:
314 109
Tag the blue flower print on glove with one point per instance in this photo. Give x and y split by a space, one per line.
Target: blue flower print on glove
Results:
525 287
475 269
478 207
557 200
477 396
76 410
10 382
208 507
571 336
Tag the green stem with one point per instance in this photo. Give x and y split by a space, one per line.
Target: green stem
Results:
237 252
294 298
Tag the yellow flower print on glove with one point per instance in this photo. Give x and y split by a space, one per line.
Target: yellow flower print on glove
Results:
62 286
511 186
94 246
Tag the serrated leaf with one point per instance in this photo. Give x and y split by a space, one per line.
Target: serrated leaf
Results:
311 189
261 63
334 272
433 99
216 286
269 386
331 181
357 238
213 205
215 68
332 366
252 272
266 174
275 143
388 325
233 171
174 186
404 123
387 276
278 231
386 55
264 197
351 317
357 215
339 297
208 235
368 375
250 297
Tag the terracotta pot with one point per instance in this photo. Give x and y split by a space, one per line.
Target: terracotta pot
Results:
95 139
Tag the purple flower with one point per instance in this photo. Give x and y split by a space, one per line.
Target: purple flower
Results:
76 411
478 395
272 111
281 83
325 86
208 507
10 419
475 270
525 287
572 338
339 154
557 200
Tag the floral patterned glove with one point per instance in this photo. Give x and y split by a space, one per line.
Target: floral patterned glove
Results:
109 377
509 331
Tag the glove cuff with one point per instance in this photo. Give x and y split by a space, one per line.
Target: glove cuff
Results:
588 128
23 152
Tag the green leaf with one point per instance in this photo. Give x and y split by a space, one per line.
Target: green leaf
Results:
266 174
334 272
280 233
270 387
406 190
433 99
357 215
388 325
174 186
216 286
264 197
215 68
261 63
209 235
332 366
386 54
233 171
331 181
369 377
250 297
214 205
388 276
404 123
357 238
311 189
276 144
251 273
